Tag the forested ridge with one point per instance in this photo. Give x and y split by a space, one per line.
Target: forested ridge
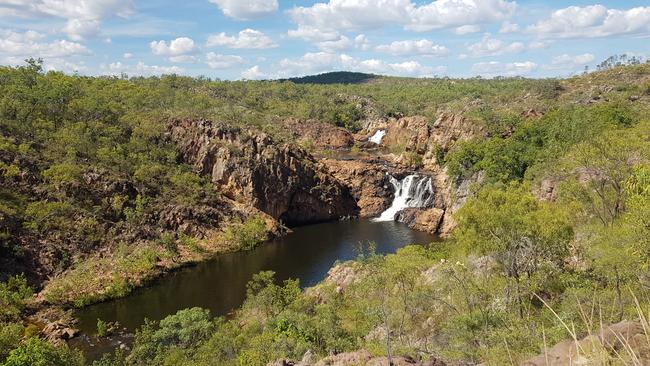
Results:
553 244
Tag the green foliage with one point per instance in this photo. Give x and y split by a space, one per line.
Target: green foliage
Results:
102 328
37 352
14 295
248 234
185 330
10 336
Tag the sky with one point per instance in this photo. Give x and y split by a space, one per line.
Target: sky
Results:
270 39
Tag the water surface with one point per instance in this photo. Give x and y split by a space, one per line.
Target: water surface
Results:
220 284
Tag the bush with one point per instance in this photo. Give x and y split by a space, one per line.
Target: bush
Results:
37 352
247 235
10 337
14 295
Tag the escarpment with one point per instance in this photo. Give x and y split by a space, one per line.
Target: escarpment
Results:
282 180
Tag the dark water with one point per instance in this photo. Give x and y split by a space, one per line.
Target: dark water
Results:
220 284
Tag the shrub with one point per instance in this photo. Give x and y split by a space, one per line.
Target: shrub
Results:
14 295
37 352
249 234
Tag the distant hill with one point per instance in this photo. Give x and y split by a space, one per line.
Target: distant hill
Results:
337 77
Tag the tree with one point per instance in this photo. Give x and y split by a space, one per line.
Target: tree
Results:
37 352
520 232
600 168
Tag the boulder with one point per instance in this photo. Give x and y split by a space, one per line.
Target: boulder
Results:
618 339
427 220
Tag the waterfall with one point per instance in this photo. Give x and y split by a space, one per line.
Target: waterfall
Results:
412 191
376 138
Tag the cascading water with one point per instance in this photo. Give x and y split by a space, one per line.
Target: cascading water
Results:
412 191
376 138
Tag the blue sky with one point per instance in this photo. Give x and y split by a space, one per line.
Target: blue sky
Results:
259 39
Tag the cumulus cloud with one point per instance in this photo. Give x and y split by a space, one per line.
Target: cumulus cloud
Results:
178 50
313 34
246 9
176 47
217 61
467 29
355 15
118 68
83 16
247 38
570 63
495 68
254 73
318 62
592 22
448 13
489 46
31 43
508 27
414 47
344 43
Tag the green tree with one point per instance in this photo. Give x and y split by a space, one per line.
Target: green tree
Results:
37 352
520 232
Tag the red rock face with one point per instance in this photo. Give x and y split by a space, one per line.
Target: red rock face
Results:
281 180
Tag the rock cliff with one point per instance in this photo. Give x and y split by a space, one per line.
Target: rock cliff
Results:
282 180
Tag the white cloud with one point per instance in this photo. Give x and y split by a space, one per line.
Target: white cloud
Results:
448 13
344 43
118 68
83 16
489 46
246 9
247 38
127 55
313 34
570 63
217 61
414 47
507 27
253 73
32 44
495 68
78 29
355 15
178 47
592 22
467 29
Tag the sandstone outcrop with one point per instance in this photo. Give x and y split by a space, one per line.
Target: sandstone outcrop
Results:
360 358
619 340
428 220
322 135
282 180
368 182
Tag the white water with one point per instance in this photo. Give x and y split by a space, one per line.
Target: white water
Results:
376 138
412 191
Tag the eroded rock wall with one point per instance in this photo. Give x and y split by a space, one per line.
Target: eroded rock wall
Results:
282 180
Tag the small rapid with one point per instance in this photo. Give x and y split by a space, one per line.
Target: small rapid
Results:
412 191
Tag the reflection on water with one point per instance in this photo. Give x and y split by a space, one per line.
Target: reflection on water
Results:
220 284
